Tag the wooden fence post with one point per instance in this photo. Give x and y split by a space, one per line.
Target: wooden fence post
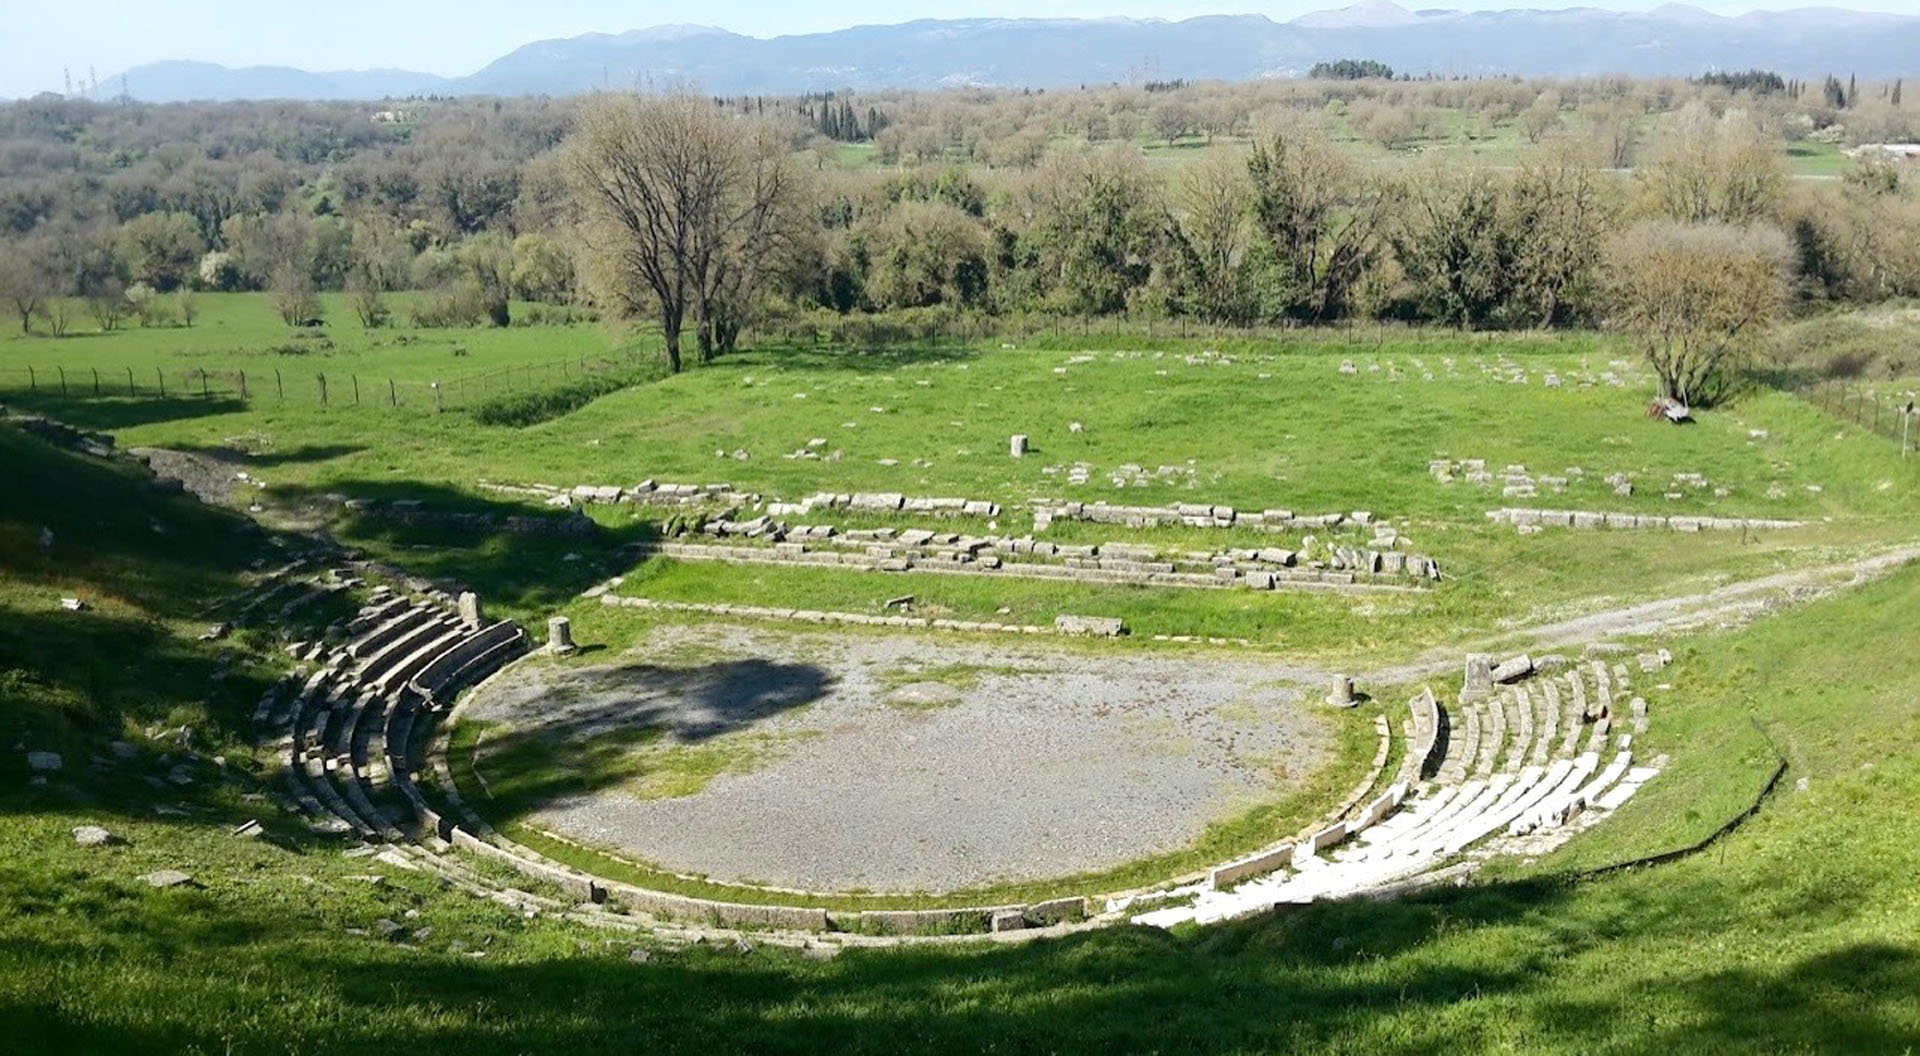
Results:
160 378
63 380
243 384
393 398
282 389
96 381
437 408
203 383
33 380
130 391
323 388
356 389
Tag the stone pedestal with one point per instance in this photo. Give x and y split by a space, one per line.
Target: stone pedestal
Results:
1479 684
470 615
1018 446
1341 695
560 635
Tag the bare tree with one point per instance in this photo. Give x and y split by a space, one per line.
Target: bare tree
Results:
683 207
1696 297
1724 168
1214 233
1561 213
22 284
1542 117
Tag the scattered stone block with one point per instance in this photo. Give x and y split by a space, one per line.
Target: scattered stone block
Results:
43 762
93 836
1479 680
1090 626
164 878
1513 670
1017 446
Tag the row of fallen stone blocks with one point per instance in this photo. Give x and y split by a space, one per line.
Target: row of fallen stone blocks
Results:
1527 518
960 562
1200 515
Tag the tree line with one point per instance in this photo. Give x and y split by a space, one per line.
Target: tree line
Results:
702 216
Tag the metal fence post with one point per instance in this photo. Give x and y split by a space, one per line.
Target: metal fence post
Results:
282 389
96 381
393 398
63 380
130 391
33 380
356 389
203 383
160 377
323 388
243 384
437 407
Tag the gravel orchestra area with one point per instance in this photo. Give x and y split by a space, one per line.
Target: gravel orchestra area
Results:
895 763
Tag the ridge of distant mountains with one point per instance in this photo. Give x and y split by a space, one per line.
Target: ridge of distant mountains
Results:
1673 40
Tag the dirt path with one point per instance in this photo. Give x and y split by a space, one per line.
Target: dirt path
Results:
1723 606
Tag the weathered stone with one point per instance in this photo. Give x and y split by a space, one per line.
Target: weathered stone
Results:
560 635
44 762
470 614
1479 681
1007 920
1341 694
92 836
1090 626
166 878
1017 446
1513 669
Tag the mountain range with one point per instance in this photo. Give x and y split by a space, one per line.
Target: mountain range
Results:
1061 53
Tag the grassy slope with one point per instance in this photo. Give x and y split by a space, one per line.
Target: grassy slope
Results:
1278 426
1795 934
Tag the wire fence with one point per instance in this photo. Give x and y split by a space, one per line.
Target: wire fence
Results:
1889 414
315 388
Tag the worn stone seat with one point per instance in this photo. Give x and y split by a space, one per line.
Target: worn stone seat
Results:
469 660
403 645
393 676
403 615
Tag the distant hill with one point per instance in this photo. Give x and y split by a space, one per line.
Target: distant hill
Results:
1058 53
179 81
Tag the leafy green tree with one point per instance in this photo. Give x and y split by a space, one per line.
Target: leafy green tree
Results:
162 250
1320 221
1093 219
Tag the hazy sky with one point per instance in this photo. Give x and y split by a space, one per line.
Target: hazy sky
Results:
458 36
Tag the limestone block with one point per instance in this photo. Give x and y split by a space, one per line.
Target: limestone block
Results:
470 615
1090 626
560 635
1513 669
1479 681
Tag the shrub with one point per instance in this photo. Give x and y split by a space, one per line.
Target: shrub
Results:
454 305
531 408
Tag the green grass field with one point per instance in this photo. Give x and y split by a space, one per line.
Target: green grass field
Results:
1250 423
1794 933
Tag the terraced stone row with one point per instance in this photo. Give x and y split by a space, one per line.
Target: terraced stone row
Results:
1530 758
